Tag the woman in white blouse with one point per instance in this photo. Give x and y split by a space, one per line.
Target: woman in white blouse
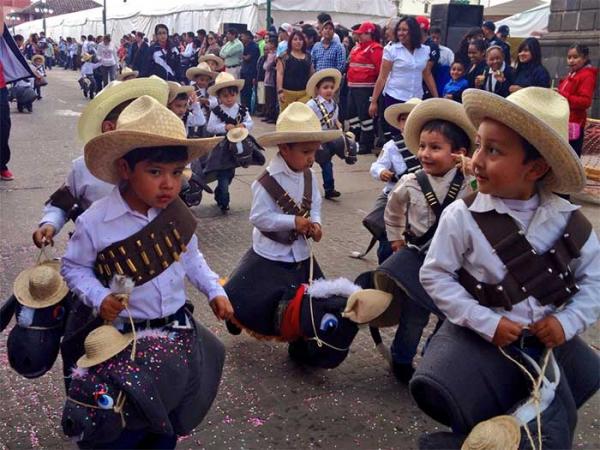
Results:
404 67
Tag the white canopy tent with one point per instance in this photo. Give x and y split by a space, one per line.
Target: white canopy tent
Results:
532 22
190 15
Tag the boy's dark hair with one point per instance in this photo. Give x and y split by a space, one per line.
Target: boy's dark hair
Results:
323 17
435 30
310 32
163 154
228 90
455 134
324 80
114 113
181 96
460 63
233 31
531 153
248 34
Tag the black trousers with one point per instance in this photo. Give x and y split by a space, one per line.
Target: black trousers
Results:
360 123
270 102
246 94
4 129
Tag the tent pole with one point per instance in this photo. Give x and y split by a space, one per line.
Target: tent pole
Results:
268 14
104 17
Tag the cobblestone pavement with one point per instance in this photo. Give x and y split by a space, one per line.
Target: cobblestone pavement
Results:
265 400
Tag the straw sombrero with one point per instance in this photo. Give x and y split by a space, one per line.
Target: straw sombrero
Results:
224 80
85 57
127 74
497 433
144 123
210 57
40 57
102 344
117 92
541 116
392 113
436 109
201 69
40 286
175 89
237 134
311 85
298 123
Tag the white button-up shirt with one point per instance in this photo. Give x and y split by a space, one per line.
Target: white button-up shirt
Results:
406 78
216 126
265 215
390 159
459 242
84 186
195 116
110 220
330 106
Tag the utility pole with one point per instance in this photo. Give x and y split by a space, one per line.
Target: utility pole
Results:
104 17
268 15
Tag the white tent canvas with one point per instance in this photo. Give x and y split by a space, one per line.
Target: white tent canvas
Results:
528 23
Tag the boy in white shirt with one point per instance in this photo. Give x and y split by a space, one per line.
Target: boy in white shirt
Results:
87 80
286 211
200 78
516 270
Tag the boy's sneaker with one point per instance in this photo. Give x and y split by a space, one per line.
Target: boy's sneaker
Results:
403 372
232 328
332 193
6 175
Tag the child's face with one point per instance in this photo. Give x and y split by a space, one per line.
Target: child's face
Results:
457 71
326 90
212 64
435 153
402 121
494 59
202 81
179 107
498 163
227 98
151 184
525 55
299 156
575 61
475 56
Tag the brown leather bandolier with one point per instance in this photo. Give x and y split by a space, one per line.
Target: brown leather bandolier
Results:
148 252
63 198
547 277
287 204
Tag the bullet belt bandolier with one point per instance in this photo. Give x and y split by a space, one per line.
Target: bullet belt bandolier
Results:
434 204
227 119
287 204
547 277
63 198
148 252
326 116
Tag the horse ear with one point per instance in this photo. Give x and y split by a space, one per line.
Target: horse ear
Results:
367 304
142 394
7 311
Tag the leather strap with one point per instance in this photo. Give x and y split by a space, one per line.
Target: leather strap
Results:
148 252
547 277
63 198
326 117
287 204
227 119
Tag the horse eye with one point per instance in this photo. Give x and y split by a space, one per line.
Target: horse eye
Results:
105 401
329 322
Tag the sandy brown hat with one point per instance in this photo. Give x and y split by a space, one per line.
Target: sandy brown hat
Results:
312 82
85 57
392 112
117 92
224 80
237 134
497 433
40 286
210 57
144 123
127 74
38 57
436 109
298 123
102 344
175 89
201 69
541 116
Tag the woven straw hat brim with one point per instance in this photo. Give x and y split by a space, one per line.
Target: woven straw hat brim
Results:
102 152
193 72
220 62
40 57
311 85
180 90
128 75
23 296
497 433
237 134
290 137
90 121
436 109
566 173
392 112
109 349
212 90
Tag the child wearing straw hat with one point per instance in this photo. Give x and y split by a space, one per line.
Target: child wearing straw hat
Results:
200 78
182 101
286 212
38 62
87 82
515 269
228 114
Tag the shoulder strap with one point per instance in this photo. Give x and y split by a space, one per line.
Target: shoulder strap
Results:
326 117
283 199
223 116
428 193
63 198
241 114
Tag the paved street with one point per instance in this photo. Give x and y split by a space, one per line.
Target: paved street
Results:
265 400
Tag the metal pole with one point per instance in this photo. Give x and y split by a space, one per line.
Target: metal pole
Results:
104 17
268 14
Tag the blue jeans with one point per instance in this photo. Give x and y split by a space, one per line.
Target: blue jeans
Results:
224 178
384 250
327 172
